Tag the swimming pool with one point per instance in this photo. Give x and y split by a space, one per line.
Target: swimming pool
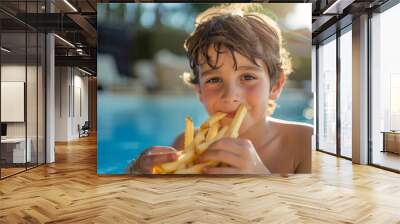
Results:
128 124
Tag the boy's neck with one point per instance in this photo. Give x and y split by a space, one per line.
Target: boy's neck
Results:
258 134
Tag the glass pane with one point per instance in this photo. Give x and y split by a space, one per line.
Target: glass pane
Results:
386 89
13 87
327 97
346 94
41 98
31 100
32 84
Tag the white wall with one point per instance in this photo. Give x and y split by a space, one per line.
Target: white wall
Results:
12 73
62 81
70 83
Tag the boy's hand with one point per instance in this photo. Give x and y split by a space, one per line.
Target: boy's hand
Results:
239 154
153 156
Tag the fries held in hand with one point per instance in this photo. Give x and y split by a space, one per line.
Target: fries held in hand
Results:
196 144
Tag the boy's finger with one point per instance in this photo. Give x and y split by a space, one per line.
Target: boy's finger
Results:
221 156
159 158
220 170
159 150
227 144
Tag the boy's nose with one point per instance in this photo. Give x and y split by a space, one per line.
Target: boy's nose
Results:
231 95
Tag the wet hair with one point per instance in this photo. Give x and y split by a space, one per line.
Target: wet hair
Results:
238 28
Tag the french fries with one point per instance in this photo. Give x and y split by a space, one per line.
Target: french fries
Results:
196 144
189 132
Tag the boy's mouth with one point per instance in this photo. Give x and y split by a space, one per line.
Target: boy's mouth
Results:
231 114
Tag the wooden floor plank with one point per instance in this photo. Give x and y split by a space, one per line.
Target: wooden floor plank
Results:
70 191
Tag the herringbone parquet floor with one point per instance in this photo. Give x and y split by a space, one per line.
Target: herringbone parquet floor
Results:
69 191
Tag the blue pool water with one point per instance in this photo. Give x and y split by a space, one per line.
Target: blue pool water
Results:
129 124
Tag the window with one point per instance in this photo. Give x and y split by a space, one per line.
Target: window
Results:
22 77
385 89
327 96
346 92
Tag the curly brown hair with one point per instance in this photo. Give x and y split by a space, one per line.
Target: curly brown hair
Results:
240 28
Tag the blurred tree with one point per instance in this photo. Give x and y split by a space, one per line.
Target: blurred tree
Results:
301 69
281 10
119 11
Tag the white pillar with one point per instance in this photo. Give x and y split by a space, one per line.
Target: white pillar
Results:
314 91
360 90
50 93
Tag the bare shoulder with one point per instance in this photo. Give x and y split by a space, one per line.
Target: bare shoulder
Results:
298 142
294 129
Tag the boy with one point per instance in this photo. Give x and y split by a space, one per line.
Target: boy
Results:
237 57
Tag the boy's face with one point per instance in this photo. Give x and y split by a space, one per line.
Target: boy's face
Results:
224 89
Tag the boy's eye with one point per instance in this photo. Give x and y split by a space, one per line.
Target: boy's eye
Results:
248 77
214 80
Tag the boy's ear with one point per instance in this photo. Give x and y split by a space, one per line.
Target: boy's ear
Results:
277 87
